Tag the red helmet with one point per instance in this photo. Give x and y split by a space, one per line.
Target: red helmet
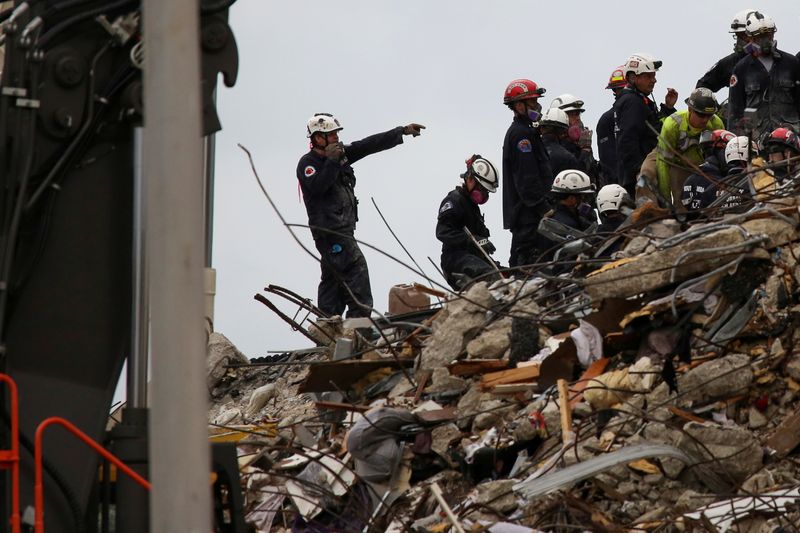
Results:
783 137
522 89
617 79
716 138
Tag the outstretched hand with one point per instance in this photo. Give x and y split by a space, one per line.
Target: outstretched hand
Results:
413 129
672 98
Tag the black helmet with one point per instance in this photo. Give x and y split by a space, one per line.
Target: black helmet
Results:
702 101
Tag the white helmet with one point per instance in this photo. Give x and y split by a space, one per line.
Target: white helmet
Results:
611 197
572 182
739 20
323 123
737 149
568 102
758 23
483 171
640 63
554 117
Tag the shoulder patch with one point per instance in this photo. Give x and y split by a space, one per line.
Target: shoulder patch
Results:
524 146
447 206
309 171
734 80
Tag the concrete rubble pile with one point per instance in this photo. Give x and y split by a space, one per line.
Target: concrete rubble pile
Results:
657 392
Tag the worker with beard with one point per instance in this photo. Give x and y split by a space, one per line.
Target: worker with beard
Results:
637 118
720 175
767 80
553 127
466 248
527 175
328 184
606 140
719 75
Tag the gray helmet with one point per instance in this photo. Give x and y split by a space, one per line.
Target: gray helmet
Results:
703 101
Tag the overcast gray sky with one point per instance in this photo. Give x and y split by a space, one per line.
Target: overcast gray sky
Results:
377 64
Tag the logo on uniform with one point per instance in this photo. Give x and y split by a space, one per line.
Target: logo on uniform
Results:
524 146
309 171
734 80
446 207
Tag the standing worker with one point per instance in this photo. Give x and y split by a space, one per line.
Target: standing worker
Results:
637 119
579 138
553 127
526 171
606 140
461 228
328 183
679 142
719 75
767 80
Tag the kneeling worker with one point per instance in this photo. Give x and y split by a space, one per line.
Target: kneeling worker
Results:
465 257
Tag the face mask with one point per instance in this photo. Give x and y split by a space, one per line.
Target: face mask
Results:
574 133
739 45
584 209
534 112
478 196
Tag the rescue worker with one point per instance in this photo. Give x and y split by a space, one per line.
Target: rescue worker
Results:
553 128
611 200
678 144
712 169
572 193
526 171
614 204
328 184
606 140
578 140
767 80
460 210
701 190
719 75
782 149
637 119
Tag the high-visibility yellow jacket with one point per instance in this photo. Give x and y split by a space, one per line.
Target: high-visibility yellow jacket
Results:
677 135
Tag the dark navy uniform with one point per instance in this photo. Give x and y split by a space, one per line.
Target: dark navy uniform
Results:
605 232
527 178
560 157
459 254
607 148
701 191
329 194
637 125
775 94
719 75
586 161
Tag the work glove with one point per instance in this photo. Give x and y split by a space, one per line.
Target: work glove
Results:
585 141
487 246
413 129
334 151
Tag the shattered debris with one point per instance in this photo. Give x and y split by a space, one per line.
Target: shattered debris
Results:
679 409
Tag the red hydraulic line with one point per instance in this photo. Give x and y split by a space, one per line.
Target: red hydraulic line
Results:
10 458
39 485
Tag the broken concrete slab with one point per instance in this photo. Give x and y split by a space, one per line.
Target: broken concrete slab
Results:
646 273
492 342
731 451
221 353
463 320
718 378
